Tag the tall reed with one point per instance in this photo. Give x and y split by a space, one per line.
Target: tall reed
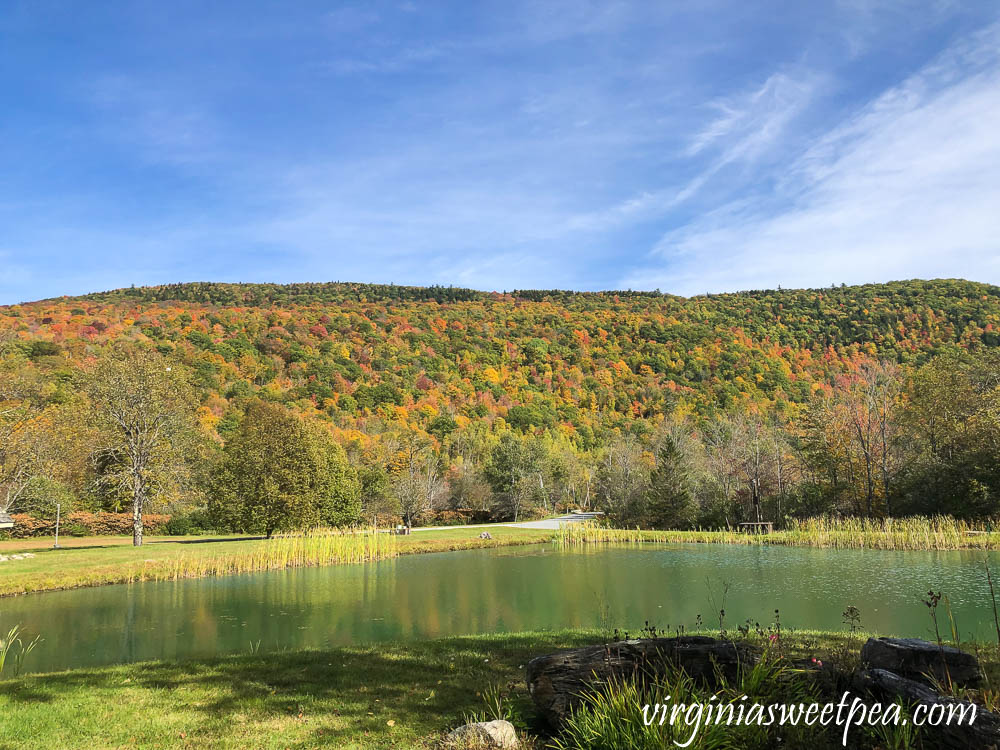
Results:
306 549
12 646
915 533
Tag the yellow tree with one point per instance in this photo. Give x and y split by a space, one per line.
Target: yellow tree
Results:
143 407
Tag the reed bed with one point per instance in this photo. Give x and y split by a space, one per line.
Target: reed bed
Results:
915 533
311 548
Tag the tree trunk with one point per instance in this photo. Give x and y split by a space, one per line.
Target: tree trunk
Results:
138 500
137 523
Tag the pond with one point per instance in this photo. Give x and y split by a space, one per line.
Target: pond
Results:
508 589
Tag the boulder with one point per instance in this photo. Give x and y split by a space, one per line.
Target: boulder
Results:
983 733
484 734
557 681
922 661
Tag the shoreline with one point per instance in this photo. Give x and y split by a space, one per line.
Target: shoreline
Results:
165 560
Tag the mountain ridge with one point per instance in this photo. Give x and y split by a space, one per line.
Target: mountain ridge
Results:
375 291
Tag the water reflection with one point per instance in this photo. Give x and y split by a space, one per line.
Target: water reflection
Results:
539 587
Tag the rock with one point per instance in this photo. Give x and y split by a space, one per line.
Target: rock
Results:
920 660
556 681
485 535
484 734
983 733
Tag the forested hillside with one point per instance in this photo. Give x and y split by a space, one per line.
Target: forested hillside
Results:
515 402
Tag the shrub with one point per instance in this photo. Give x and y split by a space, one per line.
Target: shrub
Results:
179 526
83 523
447 518
27 526
189 524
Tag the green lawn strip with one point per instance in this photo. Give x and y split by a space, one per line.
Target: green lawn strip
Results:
44 543
343 697
73 568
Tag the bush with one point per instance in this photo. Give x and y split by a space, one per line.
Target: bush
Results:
191 524
446 518
179 526
82 523
27 526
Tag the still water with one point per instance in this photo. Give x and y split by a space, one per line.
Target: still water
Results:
483 591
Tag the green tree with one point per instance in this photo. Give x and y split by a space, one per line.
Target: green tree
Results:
278 473
669 503
952 420
510 472
377 498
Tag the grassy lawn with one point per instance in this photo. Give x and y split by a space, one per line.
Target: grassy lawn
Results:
343 698
118 563
41 543
357 697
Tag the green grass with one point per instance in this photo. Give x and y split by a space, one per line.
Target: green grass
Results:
42 543
337 698
72 568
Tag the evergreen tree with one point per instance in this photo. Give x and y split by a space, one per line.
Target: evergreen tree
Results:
669 501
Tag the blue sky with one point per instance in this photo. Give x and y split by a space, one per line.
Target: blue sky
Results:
687 146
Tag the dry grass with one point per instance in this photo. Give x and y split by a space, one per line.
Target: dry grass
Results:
916 533
51 570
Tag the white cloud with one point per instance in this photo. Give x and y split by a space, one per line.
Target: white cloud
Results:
909 187
750 126
752 122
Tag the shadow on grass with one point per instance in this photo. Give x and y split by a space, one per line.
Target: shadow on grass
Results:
340 694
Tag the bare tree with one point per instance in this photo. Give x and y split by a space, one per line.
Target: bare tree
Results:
741 449
721 451
419 485
623 477
21 445
870 400
142 406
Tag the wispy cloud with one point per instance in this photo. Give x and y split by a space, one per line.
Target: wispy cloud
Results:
529 143
748 127
907 187
158 122
752 122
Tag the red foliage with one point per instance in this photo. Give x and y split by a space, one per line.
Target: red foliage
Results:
94 524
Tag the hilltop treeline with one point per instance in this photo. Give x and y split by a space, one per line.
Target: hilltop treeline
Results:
660 409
